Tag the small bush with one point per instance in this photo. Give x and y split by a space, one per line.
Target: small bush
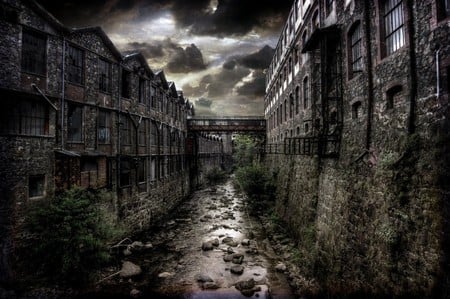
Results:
69 237
215 176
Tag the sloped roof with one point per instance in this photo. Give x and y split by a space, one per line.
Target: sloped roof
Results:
139 56
99 32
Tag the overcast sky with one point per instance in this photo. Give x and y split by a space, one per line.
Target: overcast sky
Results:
214 50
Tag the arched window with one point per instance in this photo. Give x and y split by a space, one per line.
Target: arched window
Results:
298 131
356 110
297 99
315 20
355 58
291 108
285 110
392 95
305 93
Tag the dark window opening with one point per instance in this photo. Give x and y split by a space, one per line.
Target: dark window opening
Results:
306 128
126 84
126 130
297 99
333 117
104 80
89 172
394 29
75 123
153 97
125 172
141 170
142 133
24 118
36 186
443 9
141 90
392 95
356 110
75 65
305 93
291 110
154 133
104 127
298 131
34 46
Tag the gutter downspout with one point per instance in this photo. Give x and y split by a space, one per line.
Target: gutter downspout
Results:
370 87
412 69
63 91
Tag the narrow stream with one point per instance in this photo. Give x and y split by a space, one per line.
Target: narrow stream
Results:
202 252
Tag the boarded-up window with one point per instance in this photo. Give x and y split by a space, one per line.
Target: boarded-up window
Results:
34 46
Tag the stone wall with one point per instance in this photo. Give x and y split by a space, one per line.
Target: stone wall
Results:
374 219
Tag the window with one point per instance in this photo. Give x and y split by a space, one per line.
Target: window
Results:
75 65
305 93
34 46
104 127
104 80
291 109
298 131
297 99
443 9
141 90
125 171
153 133
141 170
36 186
75 123
153 169
394 29
125 130
142 133
355 55
392 95
306 128
89 172
126 82
281 113
24 118
285 110
153 97
356 110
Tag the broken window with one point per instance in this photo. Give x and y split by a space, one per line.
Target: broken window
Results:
104 80
36 186
104 127
126 84
34 46
75 65
394 29
75 123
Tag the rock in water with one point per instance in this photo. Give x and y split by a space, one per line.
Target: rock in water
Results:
129 270
238 270
203 278
165 275
280 267
207 246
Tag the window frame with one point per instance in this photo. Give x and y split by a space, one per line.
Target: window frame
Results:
42 48
355 49
104 78
106 126
388 33
44 186
72 64
70 136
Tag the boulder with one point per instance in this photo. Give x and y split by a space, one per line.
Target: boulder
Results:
207 246
238 269
129 270
280 267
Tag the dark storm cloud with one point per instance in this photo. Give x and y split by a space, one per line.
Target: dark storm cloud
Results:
148 50
203 102
186 60
232 17
224 82
257 60
256 87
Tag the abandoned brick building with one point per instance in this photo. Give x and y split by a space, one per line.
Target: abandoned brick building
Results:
76 111
357 126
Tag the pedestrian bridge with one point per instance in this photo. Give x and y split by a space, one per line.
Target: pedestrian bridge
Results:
227 124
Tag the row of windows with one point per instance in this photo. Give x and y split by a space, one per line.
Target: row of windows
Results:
393 36
158 136
34 46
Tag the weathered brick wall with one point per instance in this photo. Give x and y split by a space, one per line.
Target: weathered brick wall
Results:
375 220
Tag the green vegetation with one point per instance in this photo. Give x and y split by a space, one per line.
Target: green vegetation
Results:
70 236
251 176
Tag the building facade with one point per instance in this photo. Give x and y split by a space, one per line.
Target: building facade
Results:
76 111
357 109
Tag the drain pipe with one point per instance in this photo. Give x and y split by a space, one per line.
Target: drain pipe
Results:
438 75
370 96
412 69
63 91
